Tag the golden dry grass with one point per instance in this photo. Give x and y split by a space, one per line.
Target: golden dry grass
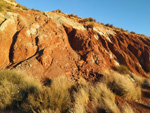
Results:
65 95
14 86
56 97
126 109
81 101
123 85
142 81
102 96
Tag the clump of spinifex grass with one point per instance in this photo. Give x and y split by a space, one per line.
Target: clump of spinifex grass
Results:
63 94
123 85
55 97
14 88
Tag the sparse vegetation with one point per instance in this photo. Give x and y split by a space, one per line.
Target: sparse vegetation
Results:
55 97
132 32
57 11
63 94
4 6
74 16
123 86
102 97
88 20
14 88
109 25
143 82
35 10
90 26
24 8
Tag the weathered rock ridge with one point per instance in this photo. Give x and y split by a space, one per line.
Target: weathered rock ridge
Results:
50 44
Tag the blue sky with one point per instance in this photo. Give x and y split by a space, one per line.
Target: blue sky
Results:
132 15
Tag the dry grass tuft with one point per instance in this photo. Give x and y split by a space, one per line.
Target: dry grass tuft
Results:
123 86
143 82
14 87
55 97
81 101
102 96
65 95
127 109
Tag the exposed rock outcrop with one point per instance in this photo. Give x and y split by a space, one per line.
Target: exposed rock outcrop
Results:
49 44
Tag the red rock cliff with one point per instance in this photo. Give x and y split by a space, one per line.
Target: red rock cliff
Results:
50 44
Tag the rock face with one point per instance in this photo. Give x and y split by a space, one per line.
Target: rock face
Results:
50 44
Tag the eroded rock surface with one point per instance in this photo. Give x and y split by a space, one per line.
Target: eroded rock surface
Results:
49 44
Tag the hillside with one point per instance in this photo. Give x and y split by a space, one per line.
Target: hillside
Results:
46 45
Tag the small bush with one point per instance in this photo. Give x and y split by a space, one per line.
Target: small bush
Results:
88 20
132 32
57 11
18 5
24 8
109 25
89 26
35 10
72 15
91 19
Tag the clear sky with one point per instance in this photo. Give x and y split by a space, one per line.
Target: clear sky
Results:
132 15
